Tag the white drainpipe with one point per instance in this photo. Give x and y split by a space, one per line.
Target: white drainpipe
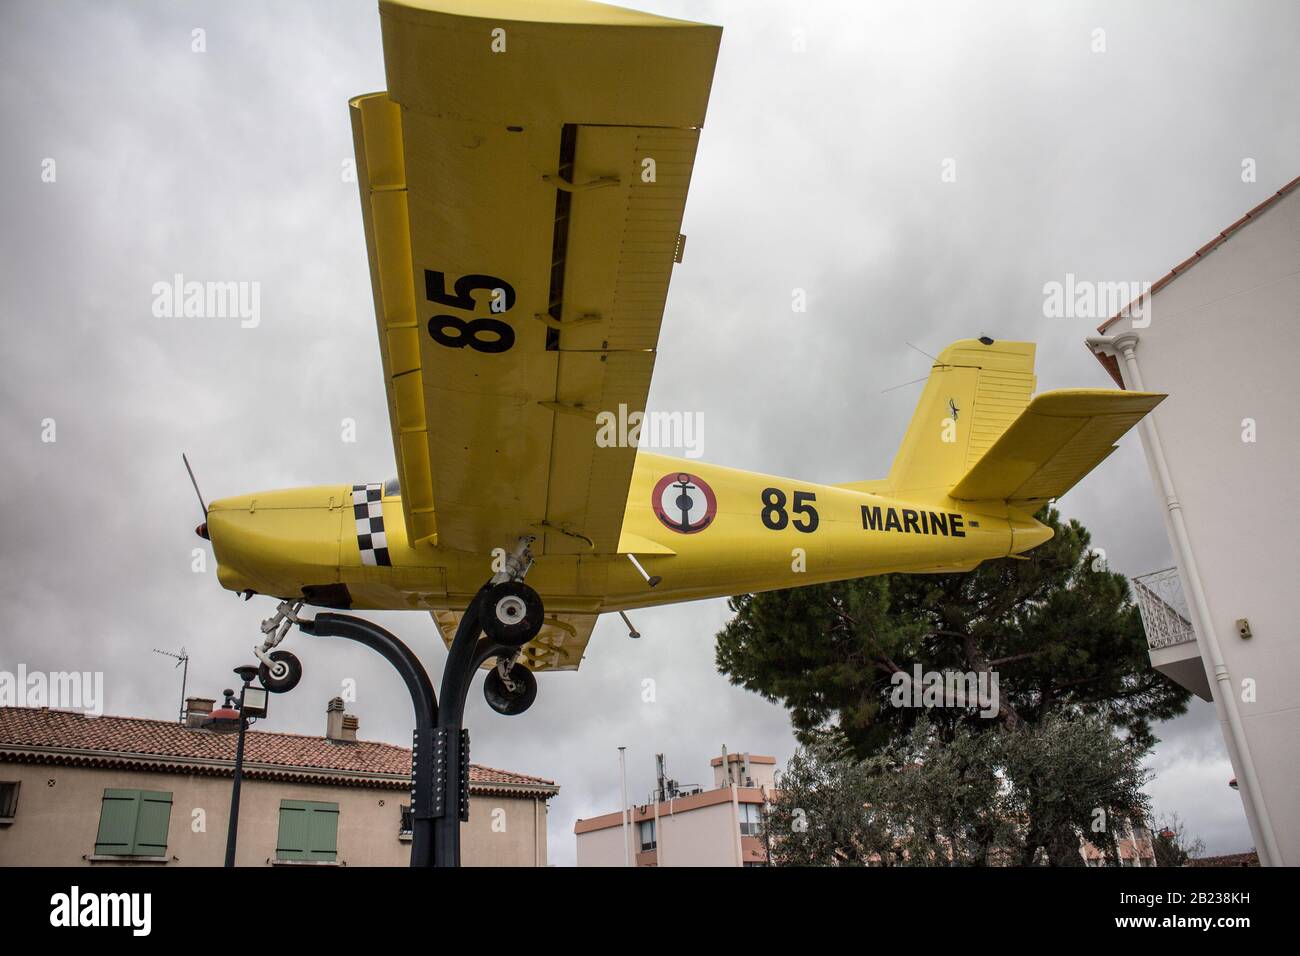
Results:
1225 698
735 823
659 838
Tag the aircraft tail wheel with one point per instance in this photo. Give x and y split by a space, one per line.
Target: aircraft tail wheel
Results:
512 613
512 697
283 675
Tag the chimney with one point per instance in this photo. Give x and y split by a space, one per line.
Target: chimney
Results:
198 710
339 727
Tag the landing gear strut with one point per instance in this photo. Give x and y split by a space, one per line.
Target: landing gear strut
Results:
279 671
512 615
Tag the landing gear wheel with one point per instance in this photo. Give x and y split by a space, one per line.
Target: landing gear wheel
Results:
512 613
515 698
282 676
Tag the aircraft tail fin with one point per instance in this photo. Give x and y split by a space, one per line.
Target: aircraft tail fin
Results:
976 390
1052 444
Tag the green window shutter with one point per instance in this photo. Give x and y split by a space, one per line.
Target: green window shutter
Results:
117 816
134 823
155 813
308 830
292 842
324 831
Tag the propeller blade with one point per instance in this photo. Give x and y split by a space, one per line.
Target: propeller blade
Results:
195 483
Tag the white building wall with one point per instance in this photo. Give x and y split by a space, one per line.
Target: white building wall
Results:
603 847
761 773
1224 342
703 836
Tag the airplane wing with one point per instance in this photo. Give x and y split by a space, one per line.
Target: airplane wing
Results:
559 646
523 181
1055 441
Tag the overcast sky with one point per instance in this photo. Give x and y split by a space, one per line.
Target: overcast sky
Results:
818 170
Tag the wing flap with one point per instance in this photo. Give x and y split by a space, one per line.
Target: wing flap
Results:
1055 441
381 175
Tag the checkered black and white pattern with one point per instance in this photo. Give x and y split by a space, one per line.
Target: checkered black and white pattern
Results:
368 509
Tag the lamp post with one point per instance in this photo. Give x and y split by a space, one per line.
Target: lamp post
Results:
229 719
627 840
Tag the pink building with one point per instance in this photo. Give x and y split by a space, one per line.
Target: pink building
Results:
722 826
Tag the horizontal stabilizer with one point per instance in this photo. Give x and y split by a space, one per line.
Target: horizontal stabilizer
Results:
1053 443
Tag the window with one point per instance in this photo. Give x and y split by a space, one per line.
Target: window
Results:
133 823
392 489
646 835
407 826
751 819
8 800
308 831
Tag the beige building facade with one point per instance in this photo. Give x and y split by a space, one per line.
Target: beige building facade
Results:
112 791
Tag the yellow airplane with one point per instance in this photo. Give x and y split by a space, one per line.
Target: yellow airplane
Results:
522 183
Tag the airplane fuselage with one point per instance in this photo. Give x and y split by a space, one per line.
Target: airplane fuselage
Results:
704 530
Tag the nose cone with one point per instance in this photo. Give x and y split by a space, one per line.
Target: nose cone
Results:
275 542
1028 533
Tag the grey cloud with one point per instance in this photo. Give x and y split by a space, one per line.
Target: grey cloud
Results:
817 170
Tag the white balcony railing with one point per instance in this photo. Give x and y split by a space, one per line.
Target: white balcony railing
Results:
1165 614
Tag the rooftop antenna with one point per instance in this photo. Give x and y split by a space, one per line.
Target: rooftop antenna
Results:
182 660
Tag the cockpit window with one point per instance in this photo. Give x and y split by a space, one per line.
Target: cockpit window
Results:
392 489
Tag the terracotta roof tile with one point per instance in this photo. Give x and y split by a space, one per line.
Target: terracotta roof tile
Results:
144 741
1231 859
1210 246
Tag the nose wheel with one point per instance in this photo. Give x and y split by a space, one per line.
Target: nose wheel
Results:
282 674
512 693
279 671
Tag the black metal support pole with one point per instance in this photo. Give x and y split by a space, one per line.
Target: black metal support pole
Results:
440 757
232 832
461 663
426 716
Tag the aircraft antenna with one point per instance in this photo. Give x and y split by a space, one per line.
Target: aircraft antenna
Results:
922 351
915 380
904 385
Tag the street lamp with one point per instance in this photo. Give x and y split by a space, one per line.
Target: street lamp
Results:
229 719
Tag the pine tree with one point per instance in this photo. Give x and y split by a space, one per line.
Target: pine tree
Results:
1057 629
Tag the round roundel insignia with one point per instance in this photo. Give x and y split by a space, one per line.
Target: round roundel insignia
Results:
684 502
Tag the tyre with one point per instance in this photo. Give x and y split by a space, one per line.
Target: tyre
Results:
514 698
512 613
283 675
